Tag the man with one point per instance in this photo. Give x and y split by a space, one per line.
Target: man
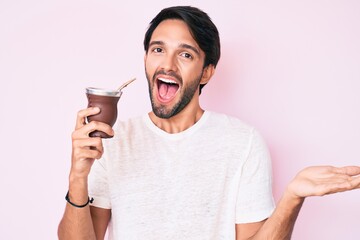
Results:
181 172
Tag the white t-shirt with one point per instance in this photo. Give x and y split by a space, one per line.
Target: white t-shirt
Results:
196 184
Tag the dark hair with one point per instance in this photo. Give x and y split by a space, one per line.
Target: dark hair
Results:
201 27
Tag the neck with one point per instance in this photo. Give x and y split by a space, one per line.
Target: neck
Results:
178 123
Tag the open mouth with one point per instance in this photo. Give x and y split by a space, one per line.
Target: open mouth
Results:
167 89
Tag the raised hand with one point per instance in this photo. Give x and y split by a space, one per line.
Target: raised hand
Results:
323 180
86 149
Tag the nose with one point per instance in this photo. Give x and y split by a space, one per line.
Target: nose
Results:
169 63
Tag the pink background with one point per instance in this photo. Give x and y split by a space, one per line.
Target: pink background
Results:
292 70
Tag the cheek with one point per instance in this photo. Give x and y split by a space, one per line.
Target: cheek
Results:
150 65
190 71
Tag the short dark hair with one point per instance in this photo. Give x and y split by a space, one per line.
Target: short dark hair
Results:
201 27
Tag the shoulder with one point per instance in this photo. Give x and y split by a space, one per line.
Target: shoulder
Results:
233 128
228 122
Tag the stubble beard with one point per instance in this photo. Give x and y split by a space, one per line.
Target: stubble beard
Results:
186 94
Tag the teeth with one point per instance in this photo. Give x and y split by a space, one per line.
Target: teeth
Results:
167 80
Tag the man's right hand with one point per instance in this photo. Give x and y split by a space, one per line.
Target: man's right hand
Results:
86 149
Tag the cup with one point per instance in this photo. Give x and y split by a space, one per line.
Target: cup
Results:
107 101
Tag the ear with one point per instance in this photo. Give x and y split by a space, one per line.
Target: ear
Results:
208 72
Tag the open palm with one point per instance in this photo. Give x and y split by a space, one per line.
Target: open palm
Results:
322 180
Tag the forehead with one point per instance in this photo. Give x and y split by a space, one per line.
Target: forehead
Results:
174 31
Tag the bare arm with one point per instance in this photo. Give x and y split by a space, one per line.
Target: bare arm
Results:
100 218
312 181
279 226
81 223
281 223
245 231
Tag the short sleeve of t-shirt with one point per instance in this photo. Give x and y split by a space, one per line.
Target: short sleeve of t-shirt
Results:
98 185
255 200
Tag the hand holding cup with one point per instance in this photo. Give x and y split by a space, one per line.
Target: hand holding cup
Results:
107 101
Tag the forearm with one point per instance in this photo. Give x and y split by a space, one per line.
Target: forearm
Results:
311 181
281 223
77 222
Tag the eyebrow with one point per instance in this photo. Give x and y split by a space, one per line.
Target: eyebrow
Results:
182 45
187 46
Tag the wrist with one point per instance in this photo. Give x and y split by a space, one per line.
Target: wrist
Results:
292 199
78 189
67 198
78 179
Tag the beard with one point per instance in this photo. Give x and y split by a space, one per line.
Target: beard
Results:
186 94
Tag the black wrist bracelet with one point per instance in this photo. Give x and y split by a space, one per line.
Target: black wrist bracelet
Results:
75 205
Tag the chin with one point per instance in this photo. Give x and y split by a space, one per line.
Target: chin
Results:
163 113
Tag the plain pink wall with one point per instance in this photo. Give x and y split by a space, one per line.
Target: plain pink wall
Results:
290 69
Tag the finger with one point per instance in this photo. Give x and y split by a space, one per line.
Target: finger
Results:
94 143
342 186
348 170
331 188
355 182
345 186
333 180
85 130
339 177
87 153
81 153
83 114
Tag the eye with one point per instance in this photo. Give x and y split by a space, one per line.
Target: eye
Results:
157 50
186 55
